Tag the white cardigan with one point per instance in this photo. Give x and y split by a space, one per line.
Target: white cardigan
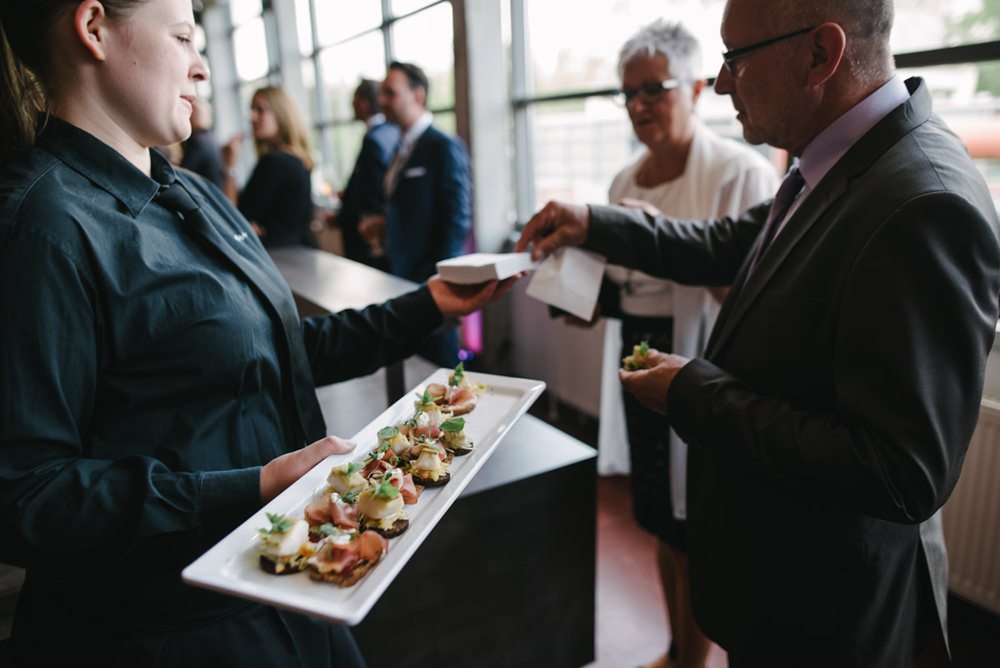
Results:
722 178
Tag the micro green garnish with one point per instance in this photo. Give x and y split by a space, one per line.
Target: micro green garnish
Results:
385 433
279 524
325 529
350 497
458 375
644 348
385 489
427 398
350 469
453 425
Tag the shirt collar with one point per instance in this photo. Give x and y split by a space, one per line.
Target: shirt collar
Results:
830 145
417 129
375 119
103 166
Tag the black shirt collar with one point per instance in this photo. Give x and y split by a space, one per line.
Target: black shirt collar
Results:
105 167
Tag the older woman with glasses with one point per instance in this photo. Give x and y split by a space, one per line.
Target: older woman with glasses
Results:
686 171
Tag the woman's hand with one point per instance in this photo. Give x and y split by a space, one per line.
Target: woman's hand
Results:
282 471
231 152
453 299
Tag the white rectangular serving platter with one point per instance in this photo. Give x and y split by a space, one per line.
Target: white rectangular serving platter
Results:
232 567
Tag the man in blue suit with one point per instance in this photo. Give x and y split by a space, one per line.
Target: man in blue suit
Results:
365 194
429 193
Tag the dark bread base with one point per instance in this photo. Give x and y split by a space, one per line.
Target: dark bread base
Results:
430 482
276 568
398 527
344 579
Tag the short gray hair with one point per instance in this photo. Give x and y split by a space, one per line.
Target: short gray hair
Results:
867 23
669 39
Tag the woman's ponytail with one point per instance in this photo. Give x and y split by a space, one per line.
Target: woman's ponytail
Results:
22 102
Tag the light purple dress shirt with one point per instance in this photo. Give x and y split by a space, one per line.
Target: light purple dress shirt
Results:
830 145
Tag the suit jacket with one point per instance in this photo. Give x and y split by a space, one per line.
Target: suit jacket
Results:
430 210
840 388
364 193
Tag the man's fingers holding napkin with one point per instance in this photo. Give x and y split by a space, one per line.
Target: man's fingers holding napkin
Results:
558 224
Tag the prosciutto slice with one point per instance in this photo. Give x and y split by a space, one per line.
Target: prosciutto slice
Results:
337 557
331 508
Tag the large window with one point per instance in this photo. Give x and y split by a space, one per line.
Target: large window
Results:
571 137
341 43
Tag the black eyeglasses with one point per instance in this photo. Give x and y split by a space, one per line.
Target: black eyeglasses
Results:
730 57
648 91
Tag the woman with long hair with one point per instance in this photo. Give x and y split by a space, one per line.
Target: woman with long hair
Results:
277 198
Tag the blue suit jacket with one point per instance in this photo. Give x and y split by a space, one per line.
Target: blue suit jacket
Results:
430 210
364 193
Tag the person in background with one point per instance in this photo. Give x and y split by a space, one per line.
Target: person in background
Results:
428 188
687 171
365 193
158 384
277 198
201 153
828 419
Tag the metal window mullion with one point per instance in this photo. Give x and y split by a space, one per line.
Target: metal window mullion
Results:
387 21
524 164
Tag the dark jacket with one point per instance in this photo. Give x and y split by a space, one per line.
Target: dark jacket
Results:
840 388
365 193
430 210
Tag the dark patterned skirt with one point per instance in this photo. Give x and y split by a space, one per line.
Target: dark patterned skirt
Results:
649 442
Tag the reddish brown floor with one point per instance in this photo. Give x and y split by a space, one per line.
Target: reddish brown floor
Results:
631 618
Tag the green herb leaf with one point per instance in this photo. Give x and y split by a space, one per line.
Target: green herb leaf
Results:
385 489
350 497
456 378
644 348
453 425
427 398
325 529
385 433
279 524
353 468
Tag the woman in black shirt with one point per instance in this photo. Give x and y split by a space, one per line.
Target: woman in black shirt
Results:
158 385
277 198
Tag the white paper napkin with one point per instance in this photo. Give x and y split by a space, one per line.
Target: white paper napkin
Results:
569 279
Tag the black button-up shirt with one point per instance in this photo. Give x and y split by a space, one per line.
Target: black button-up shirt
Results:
149 367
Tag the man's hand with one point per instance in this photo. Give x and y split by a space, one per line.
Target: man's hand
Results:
282 471
650 385
556 225
453 299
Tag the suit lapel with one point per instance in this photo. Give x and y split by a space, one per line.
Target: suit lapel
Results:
812 209
828 191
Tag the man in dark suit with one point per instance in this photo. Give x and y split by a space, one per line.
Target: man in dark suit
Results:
364 194
429 191
840 388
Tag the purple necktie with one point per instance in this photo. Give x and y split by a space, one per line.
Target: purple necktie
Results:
787 193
